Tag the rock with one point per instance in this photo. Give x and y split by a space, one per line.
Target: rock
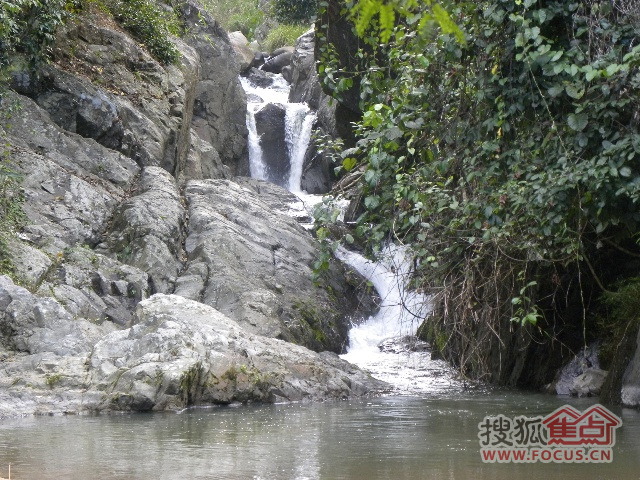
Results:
232 232
35 325
177 353
183 353
589 383
270 124
260 78
305 83
203 161
244 53
125 99
405 344
71 184
93 286
287 73
278 60
580 374
219 112
630 391
30 264
338 31
146 230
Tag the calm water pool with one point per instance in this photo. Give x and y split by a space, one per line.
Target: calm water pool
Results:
401 437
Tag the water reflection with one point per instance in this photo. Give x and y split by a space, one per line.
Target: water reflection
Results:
385 438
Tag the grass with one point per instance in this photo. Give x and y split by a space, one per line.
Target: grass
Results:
283 35
234 15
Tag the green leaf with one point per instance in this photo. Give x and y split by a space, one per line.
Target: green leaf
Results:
446 24
387 21
575 91
578 121
349 163
372 202
555 90
625 172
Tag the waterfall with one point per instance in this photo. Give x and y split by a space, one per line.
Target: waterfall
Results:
385 344
299 122
298 126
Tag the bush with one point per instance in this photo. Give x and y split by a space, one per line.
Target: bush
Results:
151 25
233 15
291 11
28 27
282 36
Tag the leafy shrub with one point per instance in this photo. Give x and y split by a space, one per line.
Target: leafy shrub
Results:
145 20
292 11
234 15
28 27
507 155
282 36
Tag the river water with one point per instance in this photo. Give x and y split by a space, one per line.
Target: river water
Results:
426 429
393 437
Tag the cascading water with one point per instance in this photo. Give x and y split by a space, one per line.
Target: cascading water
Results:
385 344
298 128
298 125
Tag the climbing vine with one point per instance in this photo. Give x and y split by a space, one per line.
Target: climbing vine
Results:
506 153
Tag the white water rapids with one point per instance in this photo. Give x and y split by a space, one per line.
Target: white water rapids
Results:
402 361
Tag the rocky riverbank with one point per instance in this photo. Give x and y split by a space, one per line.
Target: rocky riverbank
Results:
147 275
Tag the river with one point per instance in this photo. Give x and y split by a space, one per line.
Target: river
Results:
393 437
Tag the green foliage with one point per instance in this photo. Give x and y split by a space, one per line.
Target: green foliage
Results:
28 27
424 14
234 15
292 11
506 159
282 36
150 24
12 216
325 214
624 302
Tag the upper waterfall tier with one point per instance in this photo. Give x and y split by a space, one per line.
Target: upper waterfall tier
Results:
279 132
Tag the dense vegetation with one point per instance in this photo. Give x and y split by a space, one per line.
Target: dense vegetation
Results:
272 22
501 141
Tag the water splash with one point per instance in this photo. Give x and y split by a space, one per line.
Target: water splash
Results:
401 312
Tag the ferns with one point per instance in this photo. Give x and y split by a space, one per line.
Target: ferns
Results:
365 11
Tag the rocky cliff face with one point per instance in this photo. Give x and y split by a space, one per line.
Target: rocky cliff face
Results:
147 276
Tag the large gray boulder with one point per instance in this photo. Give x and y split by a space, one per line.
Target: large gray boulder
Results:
270 125
182 352
178 353
254 264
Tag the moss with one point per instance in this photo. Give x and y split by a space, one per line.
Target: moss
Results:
315 322
430 333
190 384
53 379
